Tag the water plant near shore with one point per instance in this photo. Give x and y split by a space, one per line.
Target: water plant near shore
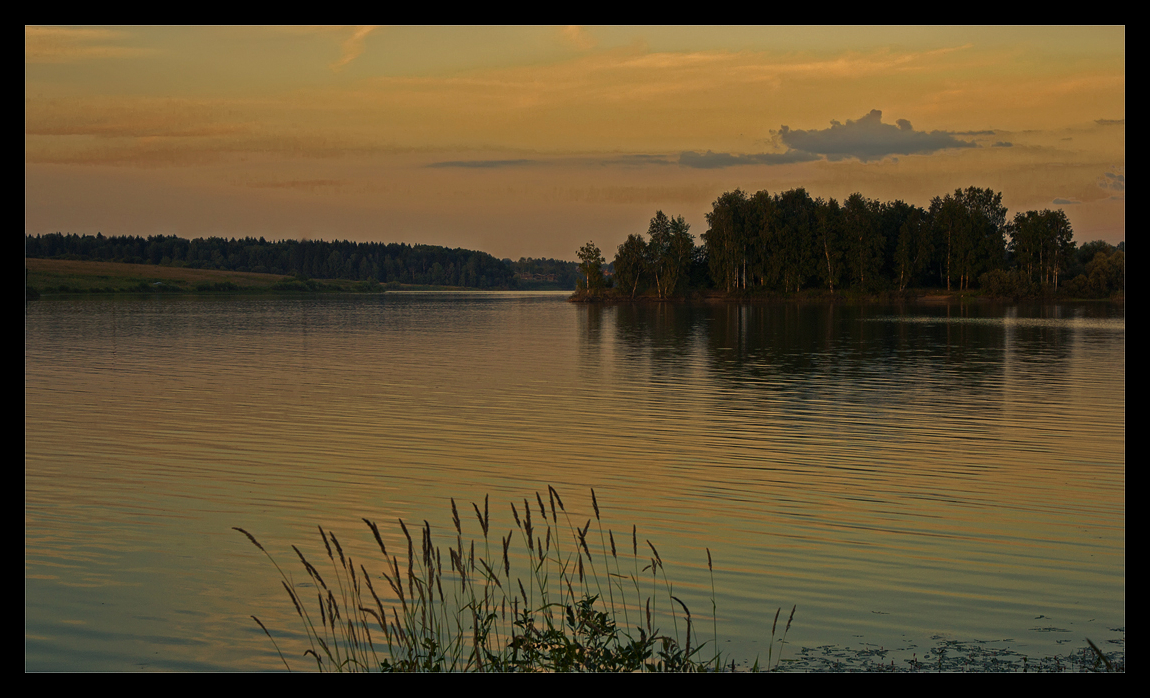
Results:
476 615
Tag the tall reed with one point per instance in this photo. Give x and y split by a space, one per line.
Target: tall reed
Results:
560 614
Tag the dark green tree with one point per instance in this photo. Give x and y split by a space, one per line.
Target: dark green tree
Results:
985 248
676 259
591 265
727 241
863 240
658 250
951 227
795 221
828 236
630 264
1042 244
914 245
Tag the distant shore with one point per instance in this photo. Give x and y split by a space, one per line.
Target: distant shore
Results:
910 295
72 277
81 277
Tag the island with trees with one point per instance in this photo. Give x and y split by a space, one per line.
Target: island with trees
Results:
787 244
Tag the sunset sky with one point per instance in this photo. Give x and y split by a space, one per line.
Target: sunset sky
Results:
532 141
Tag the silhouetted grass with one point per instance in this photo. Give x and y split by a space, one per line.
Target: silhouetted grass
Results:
463 608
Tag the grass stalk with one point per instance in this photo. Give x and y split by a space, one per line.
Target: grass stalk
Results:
559 619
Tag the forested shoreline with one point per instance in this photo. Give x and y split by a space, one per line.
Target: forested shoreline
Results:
398 263
789 242
760 244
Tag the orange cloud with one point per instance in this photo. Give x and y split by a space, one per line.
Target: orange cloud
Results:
352 47
64 45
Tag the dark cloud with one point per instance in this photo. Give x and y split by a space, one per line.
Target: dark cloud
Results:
484 163
640 159
869 139
1002 144
1114 181
1110 122
629 160
711 160
1061 202
973 133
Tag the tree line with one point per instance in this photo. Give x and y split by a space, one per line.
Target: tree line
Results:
789 242
357 261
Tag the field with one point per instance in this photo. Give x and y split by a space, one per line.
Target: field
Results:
51 276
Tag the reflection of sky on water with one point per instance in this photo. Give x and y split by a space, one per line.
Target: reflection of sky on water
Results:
896 480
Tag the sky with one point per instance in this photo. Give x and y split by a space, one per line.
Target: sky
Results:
531 141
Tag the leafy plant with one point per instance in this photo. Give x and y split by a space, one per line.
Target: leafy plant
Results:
474 615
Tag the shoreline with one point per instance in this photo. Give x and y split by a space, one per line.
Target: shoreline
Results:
927 296
71 277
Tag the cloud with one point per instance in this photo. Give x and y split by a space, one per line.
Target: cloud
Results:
1110 122
64 45
869 139
579 37
865 139
1002 144
485 163
629 160
711 160
636 159
352 47
1063 202
1114 181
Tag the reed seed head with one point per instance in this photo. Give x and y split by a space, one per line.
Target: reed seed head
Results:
250 537
325 543
555 493
294 601
482 523
656 552
410 547
506 560
338 549
378 539
308 566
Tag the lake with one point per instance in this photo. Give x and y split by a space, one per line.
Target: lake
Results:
904 475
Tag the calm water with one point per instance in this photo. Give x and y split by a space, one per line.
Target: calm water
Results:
902 474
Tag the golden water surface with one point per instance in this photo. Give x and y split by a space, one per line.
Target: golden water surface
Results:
901 474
